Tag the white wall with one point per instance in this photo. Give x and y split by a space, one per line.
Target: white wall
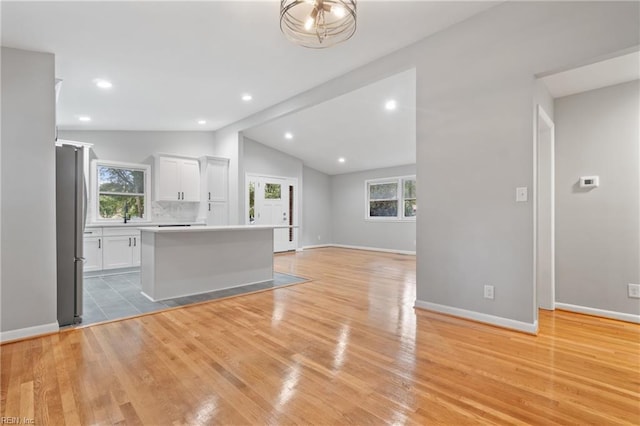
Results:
28 276
316 208
475 85
349 226
263 160
597 230
136 146
542 198
475 136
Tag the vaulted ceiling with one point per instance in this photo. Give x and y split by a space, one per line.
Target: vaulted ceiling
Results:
173 64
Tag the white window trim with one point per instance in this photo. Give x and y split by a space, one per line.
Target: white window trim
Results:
95 199
399 198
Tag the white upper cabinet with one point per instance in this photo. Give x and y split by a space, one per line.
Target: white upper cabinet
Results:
216 190
168 179
177 179
217 179
190 180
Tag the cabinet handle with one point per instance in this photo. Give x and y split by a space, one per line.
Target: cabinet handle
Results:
99 243
209 196
183 195
134 241
129 241
209 206
178 195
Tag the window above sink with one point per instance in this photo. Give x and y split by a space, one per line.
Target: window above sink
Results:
119 187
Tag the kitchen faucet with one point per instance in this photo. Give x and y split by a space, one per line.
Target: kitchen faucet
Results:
126 211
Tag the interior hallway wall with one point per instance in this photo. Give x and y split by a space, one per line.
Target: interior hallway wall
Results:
28 267
316 208
598 229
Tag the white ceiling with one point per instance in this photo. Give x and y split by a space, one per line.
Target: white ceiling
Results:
355 126
173 63
594 76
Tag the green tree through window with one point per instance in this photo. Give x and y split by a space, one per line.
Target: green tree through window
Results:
120 187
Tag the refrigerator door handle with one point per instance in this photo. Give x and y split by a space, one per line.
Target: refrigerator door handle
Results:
85 202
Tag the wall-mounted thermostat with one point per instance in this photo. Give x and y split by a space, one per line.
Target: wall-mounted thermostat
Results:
589 181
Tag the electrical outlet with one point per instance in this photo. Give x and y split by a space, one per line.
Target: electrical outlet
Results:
488 292
522 194
633 290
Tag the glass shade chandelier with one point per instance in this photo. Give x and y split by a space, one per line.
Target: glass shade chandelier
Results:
318 23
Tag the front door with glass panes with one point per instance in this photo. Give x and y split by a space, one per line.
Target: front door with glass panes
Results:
271 201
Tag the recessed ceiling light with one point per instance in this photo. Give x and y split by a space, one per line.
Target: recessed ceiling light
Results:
390 105
247 97
103 84
84 118
202 121
341 160
288 135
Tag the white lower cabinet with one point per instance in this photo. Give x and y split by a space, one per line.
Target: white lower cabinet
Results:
117 253
93 254
217 214
117 248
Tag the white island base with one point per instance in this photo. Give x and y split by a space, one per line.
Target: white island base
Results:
183 261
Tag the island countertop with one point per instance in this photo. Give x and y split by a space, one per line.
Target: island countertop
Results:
163 229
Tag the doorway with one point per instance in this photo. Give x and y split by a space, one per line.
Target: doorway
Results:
273 201
545 238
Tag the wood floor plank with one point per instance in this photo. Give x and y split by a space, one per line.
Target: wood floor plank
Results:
345 348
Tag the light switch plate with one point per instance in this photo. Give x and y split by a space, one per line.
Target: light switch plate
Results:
522 194
633 290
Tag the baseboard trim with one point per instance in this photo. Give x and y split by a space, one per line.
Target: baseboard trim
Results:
384 250
621 316
316 246
29 332
525 327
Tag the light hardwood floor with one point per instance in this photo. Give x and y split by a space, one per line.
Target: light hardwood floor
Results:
346 348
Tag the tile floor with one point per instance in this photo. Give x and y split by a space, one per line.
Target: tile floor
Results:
111 297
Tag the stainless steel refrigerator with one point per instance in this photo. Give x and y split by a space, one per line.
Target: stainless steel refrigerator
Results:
70 217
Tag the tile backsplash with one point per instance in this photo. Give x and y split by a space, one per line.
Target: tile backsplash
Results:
167 211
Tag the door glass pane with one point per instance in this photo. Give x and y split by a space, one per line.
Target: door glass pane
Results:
383 208
113 206
113 179
252 202
272 191
383 191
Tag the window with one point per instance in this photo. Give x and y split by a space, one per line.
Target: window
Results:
121 187
391 199
272 191
409 198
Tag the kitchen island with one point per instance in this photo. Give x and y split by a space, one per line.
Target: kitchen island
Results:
181 261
